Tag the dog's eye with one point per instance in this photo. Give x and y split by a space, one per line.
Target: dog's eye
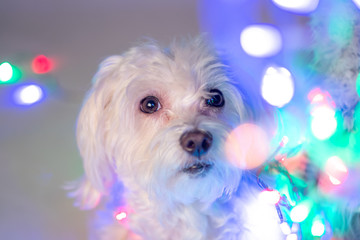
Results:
216 99
150 104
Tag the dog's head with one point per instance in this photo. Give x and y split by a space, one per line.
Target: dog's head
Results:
157 120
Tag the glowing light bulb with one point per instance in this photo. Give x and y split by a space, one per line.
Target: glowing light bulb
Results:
317 228
277 86
261 40
323 124
298 6
41 64
29 94
357 3
270 196
120 216
6 72
336 170
300 212
292 236
285 228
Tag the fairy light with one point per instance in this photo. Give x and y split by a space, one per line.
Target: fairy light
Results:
285 228
261 40
292 236
317 228
121 216
41 64
28 94
270 196
336 170
298 6
357 3
6 72
323 124
300 212
277 86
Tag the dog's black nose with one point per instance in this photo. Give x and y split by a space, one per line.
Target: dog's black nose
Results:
196 142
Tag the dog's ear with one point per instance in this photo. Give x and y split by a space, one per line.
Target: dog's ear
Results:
91 136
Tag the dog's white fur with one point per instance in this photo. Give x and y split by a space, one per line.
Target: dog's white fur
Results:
118 142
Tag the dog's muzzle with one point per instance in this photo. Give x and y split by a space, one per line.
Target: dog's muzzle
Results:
197 143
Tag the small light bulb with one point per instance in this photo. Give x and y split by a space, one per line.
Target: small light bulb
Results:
6 72
120 216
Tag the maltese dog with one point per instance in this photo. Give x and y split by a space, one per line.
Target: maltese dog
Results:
156 121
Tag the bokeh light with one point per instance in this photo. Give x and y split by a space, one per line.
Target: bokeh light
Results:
121 216
357 3
6 72
300 212
292 236
28 94
317 228
298 6
261 40
336 170
323 123
41 64
285 228
270 196
247 146
277 86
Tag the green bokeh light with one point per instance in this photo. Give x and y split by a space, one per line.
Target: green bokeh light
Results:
15 75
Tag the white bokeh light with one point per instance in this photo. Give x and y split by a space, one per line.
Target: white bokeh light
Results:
317 228
323 124
6 72
277 86
357 3
298 6
27 95
299 213
261 40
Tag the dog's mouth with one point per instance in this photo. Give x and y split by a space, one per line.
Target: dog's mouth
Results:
198 168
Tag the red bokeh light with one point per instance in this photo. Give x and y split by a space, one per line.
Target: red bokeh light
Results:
41 64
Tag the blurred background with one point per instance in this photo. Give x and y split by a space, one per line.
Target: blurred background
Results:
49 51
38 152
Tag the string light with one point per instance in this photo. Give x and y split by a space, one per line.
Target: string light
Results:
277 86
285 228
317 228
6 72
323 124
336 170
28 94
300 212
298 6
357 3
270 196
292 236
261 40
41 64
121 216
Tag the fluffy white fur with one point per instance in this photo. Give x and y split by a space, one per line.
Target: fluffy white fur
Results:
119 143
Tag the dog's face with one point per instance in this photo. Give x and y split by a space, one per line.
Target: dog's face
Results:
158 120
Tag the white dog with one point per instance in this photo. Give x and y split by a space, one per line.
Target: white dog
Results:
156 120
